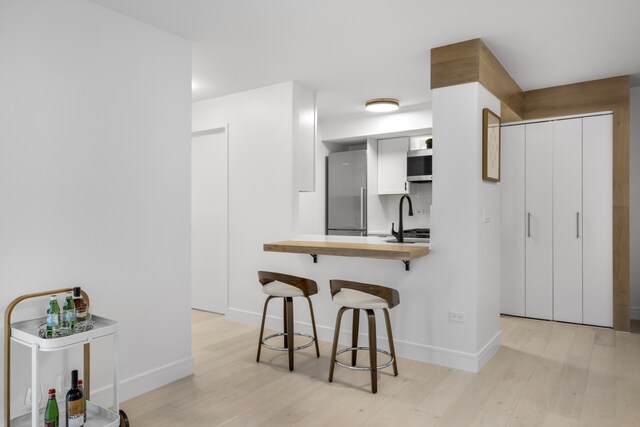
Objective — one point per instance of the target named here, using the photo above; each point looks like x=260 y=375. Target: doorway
x=209 y=220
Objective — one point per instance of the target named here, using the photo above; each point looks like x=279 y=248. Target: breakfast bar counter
x=363 y=247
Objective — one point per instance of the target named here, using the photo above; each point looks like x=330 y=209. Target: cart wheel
x=124 y=420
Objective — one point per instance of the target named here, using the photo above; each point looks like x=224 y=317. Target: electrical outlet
x=456 y=316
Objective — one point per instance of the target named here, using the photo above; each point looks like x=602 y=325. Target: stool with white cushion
x=363 y=296
x=278 y=285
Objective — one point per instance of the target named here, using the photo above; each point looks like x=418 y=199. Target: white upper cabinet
x=304 y=137
x=392 y=166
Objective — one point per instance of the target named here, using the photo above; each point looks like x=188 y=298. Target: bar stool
x=363 y=296
x=278 y=285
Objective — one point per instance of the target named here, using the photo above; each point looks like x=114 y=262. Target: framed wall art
x=490 y=146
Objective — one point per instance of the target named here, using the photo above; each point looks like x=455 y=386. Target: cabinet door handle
x=528 y=224
x=405 y=186
x=578 y=225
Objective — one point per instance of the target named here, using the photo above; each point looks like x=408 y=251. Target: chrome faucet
x=399 y=235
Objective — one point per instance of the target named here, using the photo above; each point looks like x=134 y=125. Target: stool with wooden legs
x=278 y=285
x=363 y=296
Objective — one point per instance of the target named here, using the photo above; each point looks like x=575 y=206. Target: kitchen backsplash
x=421 y=195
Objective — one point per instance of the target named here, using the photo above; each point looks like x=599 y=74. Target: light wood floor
x=546 y=374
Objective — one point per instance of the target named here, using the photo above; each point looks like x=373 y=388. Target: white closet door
x=539 y=221
x=597 y=222
x=567 y=220
x=513 y=220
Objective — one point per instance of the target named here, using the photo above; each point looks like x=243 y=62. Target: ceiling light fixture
x=382 y=105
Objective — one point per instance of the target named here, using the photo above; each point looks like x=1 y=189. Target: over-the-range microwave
x=419 y=165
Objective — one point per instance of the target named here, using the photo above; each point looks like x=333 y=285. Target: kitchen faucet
x=399 y=235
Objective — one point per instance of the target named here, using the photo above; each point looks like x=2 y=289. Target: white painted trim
x=144 y=382
x=489 y=350
x=465 y=361
x=635 y=313
x=556 y=118
x=209 y=131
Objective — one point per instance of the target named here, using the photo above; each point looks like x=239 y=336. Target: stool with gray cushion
x=278 y=285
x=363 y=296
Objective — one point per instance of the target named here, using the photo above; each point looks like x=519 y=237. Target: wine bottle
x=75 y=403
x=53 y=317
x=82 y=312
x=69 y=314
x=51 y=414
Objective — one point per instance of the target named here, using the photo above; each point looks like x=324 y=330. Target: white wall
x=468 y=249
x=94 y=181
x=635 y=202
x=261 y=194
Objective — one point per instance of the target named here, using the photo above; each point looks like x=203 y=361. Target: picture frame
x=490 y=146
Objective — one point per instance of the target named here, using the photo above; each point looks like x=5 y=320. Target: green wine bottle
x=51 y=414
x=53 y=317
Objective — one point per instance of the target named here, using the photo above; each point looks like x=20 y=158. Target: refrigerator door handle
x=362 y=207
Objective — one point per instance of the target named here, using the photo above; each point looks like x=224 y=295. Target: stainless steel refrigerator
x=347 y=193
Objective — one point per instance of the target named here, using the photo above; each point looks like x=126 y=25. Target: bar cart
x=26 y=333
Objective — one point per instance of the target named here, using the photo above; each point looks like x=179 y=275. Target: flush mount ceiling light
x=382 y=105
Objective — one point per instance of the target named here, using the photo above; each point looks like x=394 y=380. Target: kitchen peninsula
x=364 y=247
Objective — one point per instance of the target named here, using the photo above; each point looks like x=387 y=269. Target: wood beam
x=472 y=61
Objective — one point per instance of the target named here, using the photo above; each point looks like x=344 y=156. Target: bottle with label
x=51 y=414
x=75 y=403
x=84 y=397
x=68 y=315
x=82 y=311
x=53 y=318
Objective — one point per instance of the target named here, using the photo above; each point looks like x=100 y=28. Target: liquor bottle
x=69 y=314
x=51 y=414
x=75 y=403
x=53 y=317
x=82 y=311
x=84 y=397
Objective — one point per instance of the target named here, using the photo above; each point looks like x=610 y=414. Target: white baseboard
x=465 y=361
x=144 y=382
x=635 y=313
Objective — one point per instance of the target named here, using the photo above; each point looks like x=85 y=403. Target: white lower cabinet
x=556 y=190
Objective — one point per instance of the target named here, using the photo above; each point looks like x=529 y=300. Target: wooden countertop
x=362 y=250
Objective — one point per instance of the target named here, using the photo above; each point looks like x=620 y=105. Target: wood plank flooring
x=546 y=374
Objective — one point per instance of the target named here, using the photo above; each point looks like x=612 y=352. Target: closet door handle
x=528 y=224
x=577 y=225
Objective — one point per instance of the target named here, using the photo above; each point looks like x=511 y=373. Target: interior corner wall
x=94 y=183
x=261 y=195
x=634 y=213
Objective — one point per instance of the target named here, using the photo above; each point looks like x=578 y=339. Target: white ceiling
x=352 y=50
